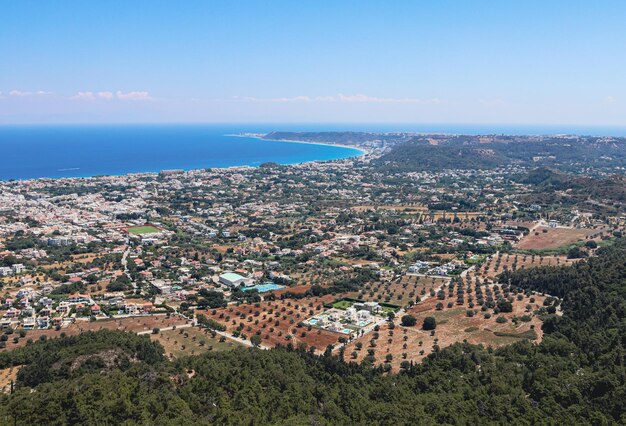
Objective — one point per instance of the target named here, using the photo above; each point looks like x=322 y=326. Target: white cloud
x=89 y=95
x=359 y=97
x=85 y=96
x=133 y=96
x=22 y=94
x=106 y=95
x=244 y=99
x=340 y=98
x=293 y=99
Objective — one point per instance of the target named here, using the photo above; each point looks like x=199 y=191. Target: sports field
x=141 y=230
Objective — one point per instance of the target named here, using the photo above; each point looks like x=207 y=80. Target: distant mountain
x=406 y=151
x=436 y=152
x=417 y=156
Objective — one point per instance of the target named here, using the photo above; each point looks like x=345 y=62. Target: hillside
x=552 y=186
x=576 y=375
x=429 y=152
x=417 y=156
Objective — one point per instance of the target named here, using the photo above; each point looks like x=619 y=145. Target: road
x=166 y=329
x=124 y=263
x=194 y=322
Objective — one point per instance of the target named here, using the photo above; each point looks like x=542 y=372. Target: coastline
x=360 y=152
x=363 y=151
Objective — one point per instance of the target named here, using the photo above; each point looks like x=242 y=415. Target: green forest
x=466 y=152
x=576 y=375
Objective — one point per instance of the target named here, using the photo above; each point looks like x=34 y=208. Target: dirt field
x=276 y=322
x=551 y=238
x=453 y=325
x=7 y=376
x=76 y=258
x=132 y=324
x=192 y=341
x=302 y=288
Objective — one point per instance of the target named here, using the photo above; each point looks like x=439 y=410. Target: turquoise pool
x=262 y=288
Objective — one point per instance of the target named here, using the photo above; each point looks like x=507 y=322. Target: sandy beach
x=364 y=151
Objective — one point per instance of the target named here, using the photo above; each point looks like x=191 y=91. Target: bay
x=89 y=150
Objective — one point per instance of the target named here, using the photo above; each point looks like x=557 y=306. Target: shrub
x=255 y=340
x=429 y=323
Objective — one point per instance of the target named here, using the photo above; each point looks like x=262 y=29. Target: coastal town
x=327 y=213
x=328 y=256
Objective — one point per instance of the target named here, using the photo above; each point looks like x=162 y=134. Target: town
x=382 y=267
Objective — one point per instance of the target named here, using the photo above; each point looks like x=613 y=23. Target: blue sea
x=91 y=150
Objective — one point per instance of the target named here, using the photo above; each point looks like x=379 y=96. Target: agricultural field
x=276 y=322
x=442 y=215
x=544 y=238
x=192 y=341
x=408 y=208
x=495 y=265
x=400 y=292
x=75 y=259
x=140 y=324
x=472 y=224
x=142 y=230
x=418 y=212
x=458 y=319
x=301 y=288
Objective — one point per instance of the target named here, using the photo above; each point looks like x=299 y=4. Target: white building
x=234 y=280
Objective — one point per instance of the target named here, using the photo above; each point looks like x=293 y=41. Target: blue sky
x=507 y=62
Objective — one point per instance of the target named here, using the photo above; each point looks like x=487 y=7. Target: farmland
x=400 y=292
x=459 y=318
x=545 y=238
x=192 y=341
x=143 y=324
x=276 y=322
x=495 y=265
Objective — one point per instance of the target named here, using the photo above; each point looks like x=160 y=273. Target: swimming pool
x=262 y=288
